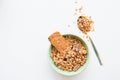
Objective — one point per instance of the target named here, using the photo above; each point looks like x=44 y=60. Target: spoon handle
x=96 y=52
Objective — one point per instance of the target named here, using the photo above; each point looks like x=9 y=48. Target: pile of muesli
x=73 y=57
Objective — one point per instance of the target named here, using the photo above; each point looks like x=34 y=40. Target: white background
x=26 y=24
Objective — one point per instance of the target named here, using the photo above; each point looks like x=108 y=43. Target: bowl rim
x=66 y=73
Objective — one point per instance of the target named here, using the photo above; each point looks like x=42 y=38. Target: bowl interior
x=73 y=72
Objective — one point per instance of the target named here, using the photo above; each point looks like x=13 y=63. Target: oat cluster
x=73 y=58
x=85 y=24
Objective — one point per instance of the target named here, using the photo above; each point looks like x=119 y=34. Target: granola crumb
x=75 y=14
x=69 y=26
x=75 y=1
x=80 y=9
x=76 y=10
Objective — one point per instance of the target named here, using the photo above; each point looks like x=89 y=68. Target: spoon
x=96 y=52
x=84 y=25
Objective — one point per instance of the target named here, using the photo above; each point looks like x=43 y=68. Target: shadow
x=56 y=75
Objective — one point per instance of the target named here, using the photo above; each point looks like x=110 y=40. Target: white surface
x=26 y=24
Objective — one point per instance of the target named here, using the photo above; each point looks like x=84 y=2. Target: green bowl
x=66 y=73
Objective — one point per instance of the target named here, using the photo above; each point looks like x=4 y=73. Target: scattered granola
x=69 y=25
x=75 y=14
x=80 y=9
x=76 y=2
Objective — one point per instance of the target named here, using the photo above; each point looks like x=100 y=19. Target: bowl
x=66 y=73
